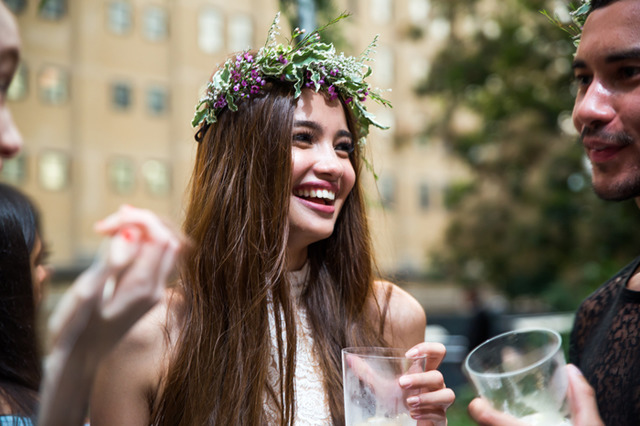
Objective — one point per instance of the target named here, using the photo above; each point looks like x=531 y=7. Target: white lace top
x=311 y=403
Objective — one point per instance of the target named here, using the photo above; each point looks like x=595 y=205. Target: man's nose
x=595 y=108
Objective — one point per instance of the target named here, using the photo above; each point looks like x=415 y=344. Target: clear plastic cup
x=523 y=373
x=372 y=394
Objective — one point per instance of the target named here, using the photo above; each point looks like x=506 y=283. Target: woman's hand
x=429 y=406
x=584 y=408
x=127 y=279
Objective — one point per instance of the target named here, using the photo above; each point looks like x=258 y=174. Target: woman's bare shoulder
x=405 y=319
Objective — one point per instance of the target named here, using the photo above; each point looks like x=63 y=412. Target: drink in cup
x=372 y=394
x=523 y=373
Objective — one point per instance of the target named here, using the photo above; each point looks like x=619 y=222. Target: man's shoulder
x=613 y=285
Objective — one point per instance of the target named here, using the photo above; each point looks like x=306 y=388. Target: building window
x=156 y=177
x=156 y=23
x=157 y=100
x=121 y=175
x=53 y=170
x=240 y=33
x=19 y=86
x=381 y=11
x=14 y=170
x=53 y=85
x=419 y=10
x=53 y=9
x=424 y=196
x=385 y=66
x=120 y=18
x=387 y=191
x=210 y=25
x=121 y=95
x=16 y=6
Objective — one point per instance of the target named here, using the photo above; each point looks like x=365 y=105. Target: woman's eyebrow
x=345 y=133
x=307 y=123
x=316 y=127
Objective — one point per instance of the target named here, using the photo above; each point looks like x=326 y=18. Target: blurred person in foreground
x=122 y=285
x=605 y=341
x=22 y=276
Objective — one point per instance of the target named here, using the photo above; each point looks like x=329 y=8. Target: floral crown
x=307 y=63
x=578 y=17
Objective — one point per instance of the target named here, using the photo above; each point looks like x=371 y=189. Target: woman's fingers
x=435 y=353
x=152 y=226
x=428 y=381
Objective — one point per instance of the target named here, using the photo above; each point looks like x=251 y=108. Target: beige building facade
x=106 y=92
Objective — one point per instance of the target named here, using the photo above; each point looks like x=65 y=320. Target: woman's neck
x=296 y=258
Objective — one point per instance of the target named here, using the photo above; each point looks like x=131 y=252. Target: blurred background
x=482 y=207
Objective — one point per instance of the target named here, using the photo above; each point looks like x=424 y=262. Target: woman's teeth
x=316 y=193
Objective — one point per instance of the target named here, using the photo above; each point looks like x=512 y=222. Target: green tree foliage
x=528 y=223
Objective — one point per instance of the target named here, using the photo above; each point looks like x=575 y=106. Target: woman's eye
x=303 y=137
x=347 y=147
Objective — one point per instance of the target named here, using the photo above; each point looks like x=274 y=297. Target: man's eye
x=628 y=72
x=582 y=79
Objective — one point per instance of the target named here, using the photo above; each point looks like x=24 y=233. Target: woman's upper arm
x=128 y=376
x=405 y=319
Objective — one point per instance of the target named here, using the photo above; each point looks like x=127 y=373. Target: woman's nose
x=10 y=138
x=328 y=163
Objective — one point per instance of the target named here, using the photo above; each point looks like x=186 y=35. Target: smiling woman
x=281 y=275
x=322 y=173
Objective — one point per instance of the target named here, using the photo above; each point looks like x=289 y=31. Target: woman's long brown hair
x=238 y=220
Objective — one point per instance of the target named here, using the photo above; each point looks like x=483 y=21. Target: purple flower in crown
x=334 y=72
x=236 y=87
x=332 y=92
x=248 y=57
x=255 y=89
x=220 y=103
x=282 y=60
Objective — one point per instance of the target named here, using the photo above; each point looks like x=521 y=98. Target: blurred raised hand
x=125 y=281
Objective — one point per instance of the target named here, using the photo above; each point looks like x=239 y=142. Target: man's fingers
x=582 y=398
x=484 y=414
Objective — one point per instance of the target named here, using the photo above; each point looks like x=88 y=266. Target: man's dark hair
x=597 y=4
